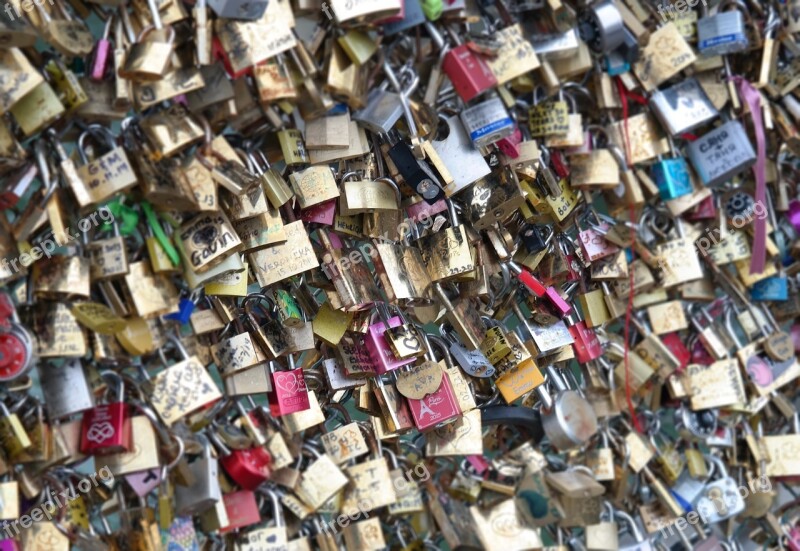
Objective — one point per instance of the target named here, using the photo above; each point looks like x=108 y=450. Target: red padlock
x=587 y=345
x=248 y=468
x=106 y=428
x=468 y=71
x=242 y=510
x=439 y=407
x=289 y=393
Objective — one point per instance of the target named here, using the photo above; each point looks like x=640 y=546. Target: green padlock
x=433 y=9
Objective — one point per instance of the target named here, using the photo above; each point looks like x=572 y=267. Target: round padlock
x=15 y=355
x=739 y=207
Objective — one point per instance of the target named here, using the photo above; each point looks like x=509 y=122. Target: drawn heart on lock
x=205 y=235
x=289 y=382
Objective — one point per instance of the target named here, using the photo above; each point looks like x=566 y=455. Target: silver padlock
x=249 y=10
x=722 y=153
x=724 y=32
x=640 y=543
x=568 y=420
x=720 y=499
x=683 y=107
x=65 y=388
x=455 y=148
x=383 y=110
x=556 y=45
x=205 y=492
x=487 y=122
x=601 y=27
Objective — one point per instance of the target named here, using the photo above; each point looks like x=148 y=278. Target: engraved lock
x=272 y=537
x=207 y=240
x=440 y=406
x=107 y=174
x=683 y=107
x=472 y=362
x=720 y=499
x=106 y=428
x=14 y=439
x=149 y=57
x=724 y=32
x=321 y=479
x=289 y=393
x=457 y=150
x=109 y=257
x=447 y=253
x=722 y=153
x=377 y=342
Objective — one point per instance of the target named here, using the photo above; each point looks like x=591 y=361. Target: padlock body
x=289 y=393
x=469 y=73
x=248 y=468
x=204 y=493
x=379 y=349
x=106 y=429
x=435 y=409
x=721 y=34
x=487 y=122
x=672 y=178
x=587 y=345
x=722 y=153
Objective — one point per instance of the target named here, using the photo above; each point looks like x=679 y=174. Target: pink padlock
x=9 y=545
x=102 y=50
x=379 y=349
x=289 y=393
x=557 y=301
x=422 y=210
x=793 y=539
x=510 y=144
x=594 y=244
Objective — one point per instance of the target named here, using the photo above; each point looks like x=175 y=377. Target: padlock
x=683 y=107
x=149 y=57
x=722 y=153
x=720 y=498
x=723 y=33
x=106 y=428
x=289 y=393
x=248 y=467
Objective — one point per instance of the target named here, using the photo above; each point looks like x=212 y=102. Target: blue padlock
x=771 y=288
x=672 y=178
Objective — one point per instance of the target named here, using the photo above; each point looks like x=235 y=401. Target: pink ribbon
x=753 y=99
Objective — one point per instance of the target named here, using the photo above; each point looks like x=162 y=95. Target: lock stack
x=399 y=274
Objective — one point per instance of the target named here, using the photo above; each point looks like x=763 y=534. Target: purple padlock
x=144 y=482
x=9 y=545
